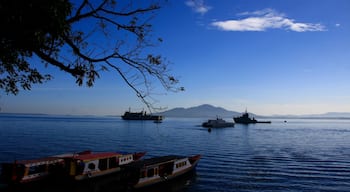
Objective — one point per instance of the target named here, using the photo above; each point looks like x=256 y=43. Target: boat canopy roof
x=155 y=161
x=94 y=156
x=41 y=161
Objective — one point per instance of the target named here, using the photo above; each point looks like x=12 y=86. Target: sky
x=267 y=56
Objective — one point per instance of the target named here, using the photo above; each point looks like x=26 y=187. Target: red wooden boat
x=79 y=166
x=25 y=171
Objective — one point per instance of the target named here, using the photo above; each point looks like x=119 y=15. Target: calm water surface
x=300 y=155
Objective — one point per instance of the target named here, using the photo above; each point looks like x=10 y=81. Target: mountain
x=335 y=115
x=329 y=115
x=207 y=111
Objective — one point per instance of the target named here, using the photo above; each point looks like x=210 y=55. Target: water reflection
x=111 y=183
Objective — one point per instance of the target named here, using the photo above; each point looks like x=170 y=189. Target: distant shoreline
x=257 y=116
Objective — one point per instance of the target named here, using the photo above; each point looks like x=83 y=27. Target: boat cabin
x=86 y=166
x=158 y=169
x=31 y=170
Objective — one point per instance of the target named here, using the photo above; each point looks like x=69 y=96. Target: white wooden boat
x=159 y=169
x=90 y=165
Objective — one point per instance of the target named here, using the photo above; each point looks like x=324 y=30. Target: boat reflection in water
x=110 y=183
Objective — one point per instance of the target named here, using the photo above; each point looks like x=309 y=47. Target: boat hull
x=239 y=121
x=158 y=180
x=245 y=119
x=141 y=116
x=218 y=125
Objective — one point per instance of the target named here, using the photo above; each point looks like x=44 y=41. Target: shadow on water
x=111 y=183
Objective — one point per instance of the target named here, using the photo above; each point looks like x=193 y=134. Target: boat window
x=80 y=167
x=102 y=165
x=142 y=174
x=166 y=169
x=150 y=172
x=55 y=167
x=113 y=162
x=181 y=164
x=92 y=166
x=37 y=169
x=7 y=170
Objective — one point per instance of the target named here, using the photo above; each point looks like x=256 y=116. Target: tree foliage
x=82 y=38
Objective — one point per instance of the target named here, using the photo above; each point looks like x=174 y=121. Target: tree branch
x=138 y=93
x=75 y=71
x=151 y=8
x=77 y=51
x=78 y=16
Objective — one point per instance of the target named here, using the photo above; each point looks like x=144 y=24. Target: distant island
x=210 y=111
x=207 y=111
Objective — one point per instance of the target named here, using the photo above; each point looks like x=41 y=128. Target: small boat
x=26 y=171
x=128 y=115
x=159 y=169
x=90 y=165
x=216 y=123
x=159 y=120
x=245 y=119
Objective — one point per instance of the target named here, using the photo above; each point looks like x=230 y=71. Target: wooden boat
x=216 y=123
x=159 y=169
x=79 y=166
x=90 y=165
x=25 y=171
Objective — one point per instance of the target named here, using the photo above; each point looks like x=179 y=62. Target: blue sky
x=267 y=56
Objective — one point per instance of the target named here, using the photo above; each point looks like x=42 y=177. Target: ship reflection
x=105 y=184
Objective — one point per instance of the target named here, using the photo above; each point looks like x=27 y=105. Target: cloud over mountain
x=263 y=20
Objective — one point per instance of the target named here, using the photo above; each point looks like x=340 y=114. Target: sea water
x=296 y=155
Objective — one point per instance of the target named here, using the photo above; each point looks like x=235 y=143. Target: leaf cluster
x=28 y=26
x=82 y=38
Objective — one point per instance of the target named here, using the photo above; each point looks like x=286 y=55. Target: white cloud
x=337 y=25
x=198 y=6
x=266 y=19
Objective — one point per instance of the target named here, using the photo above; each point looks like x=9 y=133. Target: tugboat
x=155 y=170
x=128 y=115
x=245 y=119
x=217 y=123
